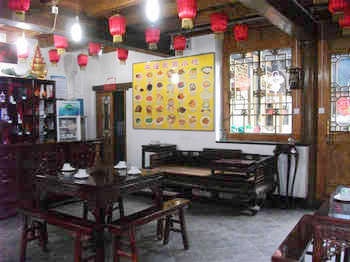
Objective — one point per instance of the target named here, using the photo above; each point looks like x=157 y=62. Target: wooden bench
x=126 y=225
x=243 y=180
x=79 y=228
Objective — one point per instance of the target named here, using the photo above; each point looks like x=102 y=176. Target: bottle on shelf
x=4 y=115
x=37 y=92
x=42 y=92
x=27 y=128
x=19 y=125
x=2 y=97
x=11 y=97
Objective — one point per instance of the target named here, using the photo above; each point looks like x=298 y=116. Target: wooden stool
x=119 y=206
x=79 y=228
x=126 y=226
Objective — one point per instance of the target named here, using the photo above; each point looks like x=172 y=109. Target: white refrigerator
x=68 y=120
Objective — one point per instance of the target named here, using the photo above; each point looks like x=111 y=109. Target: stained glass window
x=340 y=93
x=260 y=101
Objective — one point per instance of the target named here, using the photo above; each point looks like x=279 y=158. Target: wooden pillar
x=309 y=102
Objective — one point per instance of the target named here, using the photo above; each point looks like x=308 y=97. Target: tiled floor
x=216 y=234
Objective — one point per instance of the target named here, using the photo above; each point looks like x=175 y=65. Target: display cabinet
x=27 y=110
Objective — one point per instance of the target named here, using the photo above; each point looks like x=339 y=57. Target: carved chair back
x=83 y=155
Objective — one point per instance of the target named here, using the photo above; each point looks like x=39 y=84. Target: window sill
x=227 y=141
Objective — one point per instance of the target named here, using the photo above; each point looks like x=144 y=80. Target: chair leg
x=167 y=229
x=77 y=248
x=24 y=239
x=41 y=234
x=183 y=229
x=85 y=210
x=133 y=248
x=160 y=228
x=121 y=207
x=110 y=214
x=116 y=245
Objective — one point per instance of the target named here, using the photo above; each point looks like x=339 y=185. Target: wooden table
x=100 y=190
x=294 y=246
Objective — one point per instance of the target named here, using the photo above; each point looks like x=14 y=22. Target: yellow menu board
x=174 y=93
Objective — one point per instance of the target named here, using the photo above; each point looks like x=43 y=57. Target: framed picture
x=175 y=94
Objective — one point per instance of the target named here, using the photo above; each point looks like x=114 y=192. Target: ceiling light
x=22 y=45
x=76 y=31
x=152 y=10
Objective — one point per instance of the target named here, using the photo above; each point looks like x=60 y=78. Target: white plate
x=341 y=198
x=134 y=171
x=68 y=170
x=120 y=166
x=81 y=175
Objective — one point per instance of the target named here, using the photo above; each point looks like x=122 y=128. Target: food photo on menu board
x=174 y=93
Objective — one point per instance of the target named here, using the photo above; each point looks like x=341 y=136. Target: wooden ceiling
x=289 y=15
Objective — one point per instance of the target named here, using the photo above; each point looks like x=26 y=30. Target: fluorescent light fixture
x=22 y=45
x=76 y=31
x=152 y=10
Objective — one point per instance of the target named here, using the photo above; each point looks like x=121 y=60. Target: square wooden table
x=101 y=189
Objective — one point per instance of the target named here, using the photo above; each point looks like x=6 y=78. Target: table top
x=102 y=177
x=159 y=146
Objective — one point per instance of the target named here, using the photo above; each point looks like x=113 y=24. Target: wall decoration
x=174 y=94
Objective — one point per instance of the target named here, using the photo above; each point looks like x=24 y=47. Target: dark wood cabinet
x=27 y=110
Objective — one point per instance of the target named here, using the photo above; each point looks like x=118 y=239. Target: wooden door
x=333 y=149
x=105 y=124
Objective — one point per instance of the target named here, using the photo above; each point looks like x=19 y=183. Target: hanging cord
x=54 y=9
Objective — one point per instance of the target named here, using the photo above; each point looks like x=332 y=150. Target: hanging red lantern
x=94 y=49
x=218 y=23
x=19 y=7
x=23 y=56
x=187 y=11
x=337 y=6
x=60 y=43
x=117 y=25
x=83 y=61
x=241 y=32
x=344 y=22
x=179 y=44
x=122 y=55
x=54 y=56
x=152 y=36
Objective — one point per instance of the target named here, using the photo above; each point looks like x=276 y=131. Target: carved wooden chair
x=331 y=239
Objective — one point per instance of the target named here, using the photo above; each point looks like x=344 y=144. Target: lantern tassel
x=152 y=46
x=187 y=23
x=61 y=51
x=179 y=52
x=82 y=68
x=122 y=62
x=117 y=38
x=219 y=36
x=20 y=15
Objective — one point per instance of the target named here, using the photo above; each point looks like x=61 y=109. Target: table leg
x=143 y=158
x=100 y=214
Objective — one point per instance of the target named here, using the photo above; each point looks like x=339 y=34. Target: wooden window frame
x=260 y=39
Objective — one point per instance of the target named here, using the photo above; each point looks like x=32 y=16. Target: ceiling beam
x=287 y=15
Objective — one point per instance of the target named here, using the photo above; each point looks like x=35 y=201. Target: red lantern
x=117 y=24
x=218 y=22
x=94 y=49
x=19 y=7
x=152 y=35
x=179 y=44
x=23 y=56
x=60 y=43
x=240 y=32
x=337 y=6
x=344 y=22
x=83 y=61
x=187 y=11
x=122 y=55
x=54 y=57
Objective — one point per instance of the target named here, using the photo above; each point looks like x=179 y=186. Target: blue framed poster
x=68 y=108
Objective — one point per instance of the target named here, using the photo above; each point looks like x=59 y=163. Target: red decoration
x=337 y=6
x=343 y=106
x=241 y=32
x=60 y=43
x=19 y=6
x=117 y=25
x=54 y=56
x=179 y=44
x=83 y=61
x=94 y=49
x=344 y=22
x=187 y=11
x=152 y=36
x=23 y=56
x=122 y=55
x=218 y=22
